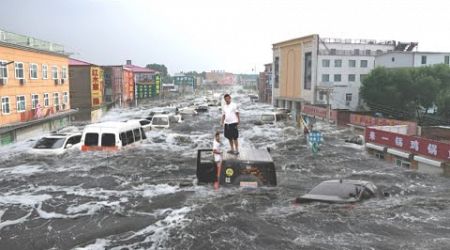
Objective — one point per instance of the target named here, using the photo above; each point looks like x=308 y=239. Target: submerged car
x=250 y=168
x=145 y=123
x=358 y=140
x=341 y=191
x=201 y=108
x=57 y=144
x=271 y=118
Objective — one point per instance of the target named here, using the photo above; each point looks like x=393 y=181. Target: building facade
x=184 y=84
x=265 y=84
x=34 y=87
x=324 y=71
x=402 y=59
x=119 y=85
x=87 y=90
x=146 y=81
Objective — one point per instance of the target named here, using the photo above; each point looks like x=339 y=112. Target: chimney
x=128 y=62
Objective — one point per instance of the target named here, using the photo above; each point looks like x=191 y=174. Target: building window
x=337 y=77
x=33 y=71
x=379 y=52
x=363 y=64
x=19 y=70
x=332 y=51
x=424 y=59
x=54 y=72
x=348 y=97
x=325 y=63
x=447 y=59
x=368 y=52
x=308 y=70
x=338 y=63
x=56 y=101
x=65 y=99
x=356 y=52
x=325 y=78
x=393 y=59
x=400 y=162
x=351 y=77
x=20 y=100
x=44 y=71
x=5 y=105
x=352 y=63
x=321 y=95
x=46 y=101
x=64 y=73
x=34 y=101
x=3 y=70
x=362 y=77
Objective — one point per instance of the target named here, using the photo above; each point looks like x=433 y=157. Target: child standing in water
x=217 y=151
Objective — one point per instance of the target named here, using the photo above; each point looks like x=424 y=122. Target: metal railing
x=357 y=41
x=30 y=42
x=350 y=52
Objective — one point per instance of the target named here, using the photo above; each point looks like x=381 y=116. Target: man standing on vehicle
x=230 y=121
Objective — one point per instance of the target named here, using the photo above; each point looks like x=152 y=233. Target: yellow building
x=293 y=71
x=34 y=87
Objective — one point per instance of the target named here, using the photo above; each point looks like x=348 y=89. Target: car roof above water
x=249 y=155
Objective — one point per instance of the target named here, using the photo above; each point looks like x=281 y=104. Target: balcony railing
x=30 y=42
x=357 y=41
x=350 y=52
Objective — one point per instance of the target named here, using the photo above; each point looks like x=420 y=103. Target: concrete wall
x=394 y=60
x=431 y=58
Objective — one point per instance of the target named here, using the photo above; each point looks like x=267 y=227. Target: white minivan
x=111 y=136
x=163 y=121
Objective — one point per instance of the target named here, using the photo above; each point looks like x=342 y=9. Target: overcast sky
x=231 y=35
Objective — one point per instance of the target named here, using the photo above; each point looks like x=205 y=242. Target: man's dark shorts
x=231 y=131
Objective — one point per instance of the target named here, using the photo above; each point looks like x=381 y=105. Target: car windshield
x=267 y=118
x=49 y=143
x=160 y=121
x=343 y=190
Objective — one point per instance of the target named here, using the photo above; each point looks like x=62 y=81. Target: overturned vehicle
x=251 y=168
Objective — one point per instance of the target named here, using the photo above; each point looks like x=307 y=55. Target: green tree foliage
x=401 y=91
x=158 y=67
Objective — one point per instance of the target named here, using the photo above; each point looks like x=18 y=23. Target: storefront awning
x=375 y=146
x=427 y=161
x=398 y=153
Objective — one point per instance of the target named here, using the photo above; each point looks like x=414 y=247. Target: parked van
x=272 y=118
x=111 y=136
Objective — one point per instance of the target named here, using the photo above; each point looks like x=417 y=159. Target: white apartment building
x=342 y=64
x=400 y=59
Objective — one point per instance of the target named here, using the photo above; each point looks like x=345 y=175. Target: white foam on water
x=26 y=199
x=13 y=222
x=100 y=244
x=24 y=169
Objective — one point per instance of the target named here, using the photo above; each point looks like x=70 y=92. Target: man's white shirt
x=230 y=111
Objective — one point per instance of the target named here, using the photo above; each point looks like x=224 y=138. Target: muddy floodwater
x=146 y=197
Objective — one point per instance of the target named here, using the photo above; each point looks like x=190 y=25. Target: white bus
x=111 y=136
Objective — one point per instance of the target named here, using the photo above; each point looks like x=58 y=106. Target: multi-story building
x=265 y=84
x=221 y=77
x=147 y=81
x=184 y=83
x=325 y=71
x=119 y=85
x=401 y=59
x=87 y=89
x=34 y=87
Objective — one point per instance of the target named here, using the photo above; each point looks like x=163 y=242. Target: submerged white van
x=111 y=136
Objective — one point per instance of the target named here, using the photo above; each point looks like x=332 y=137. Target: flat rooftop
x=249 y=155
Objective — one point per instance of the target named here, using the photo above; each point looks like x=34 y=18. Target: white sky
x=231 y=35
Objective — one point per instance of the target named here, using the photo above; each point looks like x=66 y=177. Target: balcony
x=350 y=52
x=356 y=41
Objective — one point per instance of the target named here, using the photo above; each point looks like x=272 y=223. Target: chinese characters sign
x=412 y=144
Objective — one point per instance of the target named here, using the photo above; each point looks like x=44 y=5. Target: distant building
x=184 y=84
x=401 y=59
x=147 y=81
x=221 y=77
x=34 y=87
x=265 y=84
x=324 y=71
x=119 y=85
x=87 y=88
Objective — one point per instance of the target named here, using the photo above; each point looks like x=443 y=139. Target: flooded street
x=146 y=197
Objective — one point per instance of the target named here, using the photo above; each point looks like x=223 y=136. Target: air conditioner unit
x=56 y=81
x=62 y=80
x=3 y=81
x=22 y=81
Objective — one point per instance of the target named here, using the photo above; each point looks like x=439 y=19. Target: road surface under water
x=133 y=199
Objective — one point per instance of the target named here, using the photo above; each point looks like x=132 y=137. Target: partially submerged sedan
x=341 y=191
x=56 y=144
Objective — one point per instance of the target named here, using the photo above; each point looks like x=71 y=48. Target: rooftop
x=31 y=42
x=76 y=62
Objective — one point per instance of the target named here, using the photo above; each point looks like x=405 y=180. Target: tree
x=443 y=103
x=402 y=92
x=158 y=67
